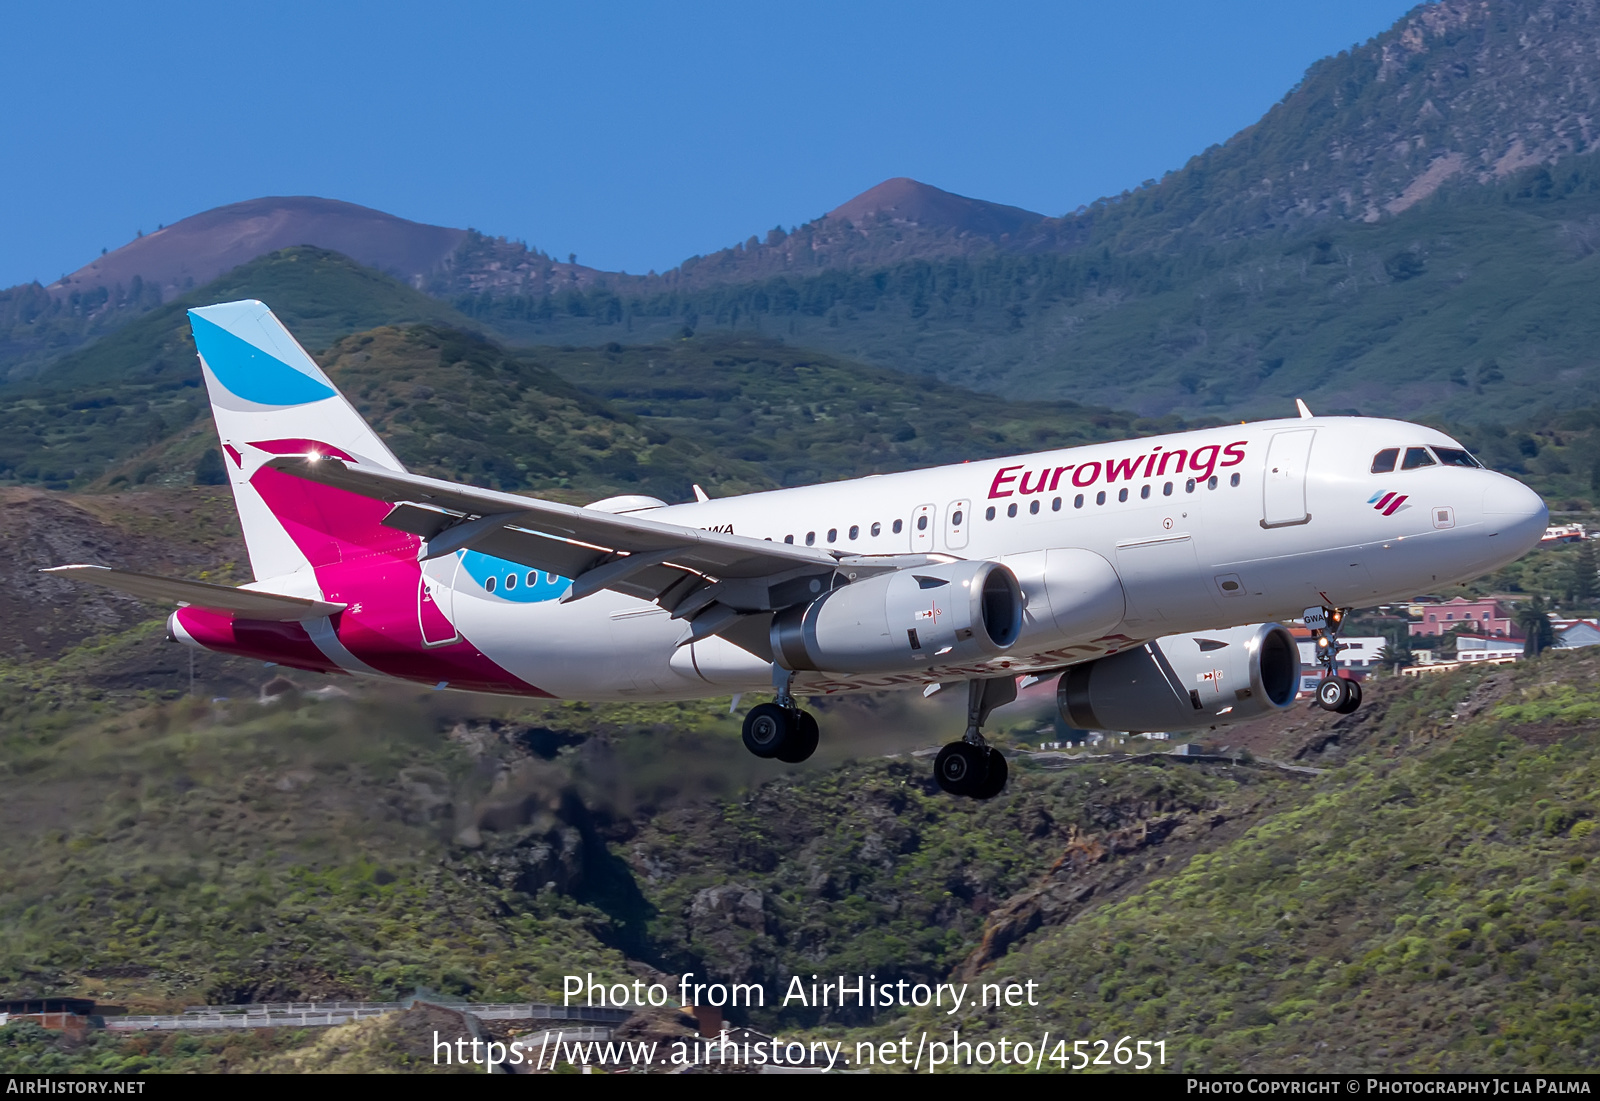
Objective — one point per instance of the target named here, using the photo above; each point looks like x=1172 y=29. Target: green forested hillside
x=95 y=408
x=1429 y=906
x=732 y=413
x=1473 y=306
x=1425 y=902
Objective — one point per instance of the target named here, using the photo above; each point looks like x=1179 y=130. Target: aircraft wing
x=710 y=577
x=201 y=594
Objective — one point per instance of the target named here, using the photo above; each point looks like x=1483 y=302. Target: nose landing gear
x=1335 y=693
x=973 y=767
x=780 y=729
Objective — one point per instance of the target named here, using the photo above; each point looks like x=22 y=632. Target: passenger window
x=1383 y=461
x=1234 y=481
x=1188 y=487
x=1122 y=494
x=1100 y=498
x=955 y=520
x=855 y=532
x=1077 y=502
x=1144 y=493
x=833 y=535
x=511 y=581
x=877 y=530
x=1055 y=506
x=1011 y=509
x=1211 y=482
x=811 y=538
x=488 y=585
x=1415 y=457
x=533 y=578
x=988 y=513
x=899 y=526
x=922 y=523
x=1454 y=456
x=788 y=539
x=1166 y=490
x=1033 y=507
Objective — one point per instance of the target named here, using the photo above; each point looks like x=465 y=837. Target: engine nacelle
x=1185 y=682
x=944 y=614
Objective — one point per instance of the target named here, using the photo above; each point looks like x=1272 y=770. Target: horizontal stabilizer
x=201 y=594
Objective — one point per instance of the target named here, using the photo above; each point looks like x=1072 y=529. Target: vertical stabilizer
x=269 y=397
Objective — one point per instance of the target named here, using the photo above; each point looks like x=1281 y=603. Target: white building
x=1472 y=648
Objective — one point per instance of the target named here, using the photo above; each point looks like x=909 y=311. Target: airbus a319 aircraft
x=1146 y=575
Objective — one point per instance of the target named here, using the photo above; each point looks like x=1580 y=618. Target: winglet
x=1305 y=413
x=700 y=495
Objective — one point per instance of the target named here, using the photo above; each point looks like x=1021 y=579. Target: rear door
x=436 y=592
x=1283 y=494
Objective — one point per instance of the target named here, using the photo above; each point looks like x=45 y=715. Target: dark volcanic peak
x=202 y=247
x=900 y=219
x=905 y=202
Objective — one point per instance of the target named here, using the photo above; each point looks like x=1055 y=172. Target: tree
x=1581 y=575
x=209 y=471
x=1534 y=620
x=1397 y=651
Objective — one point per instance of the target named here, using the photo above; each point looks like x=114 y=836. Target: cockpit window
x=1455 y=456
x=1415 y=457
x=1383 y=461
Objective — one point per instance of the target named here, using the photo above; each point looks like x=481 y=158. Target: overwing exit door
x=922 y=528
x=958 y=518
x=1283 y=494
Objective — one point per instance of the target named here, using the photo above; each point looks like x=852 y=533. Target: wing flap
x=200 y=594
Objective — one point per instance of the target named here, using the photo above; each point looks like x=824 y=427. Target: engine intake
x=1185 y=682
x=942 y=614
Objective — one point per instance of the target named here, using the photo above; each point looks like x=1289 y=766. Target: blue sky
x=634 y=134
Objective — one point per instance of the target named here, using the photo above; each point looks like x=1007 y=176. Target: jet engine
x=1184 y=682
x=942 y=614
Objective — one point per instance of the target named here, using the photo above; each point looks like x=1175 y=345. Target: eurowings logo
x=1388 y=503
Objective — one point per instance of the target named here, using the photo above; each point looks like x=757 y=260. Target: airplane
x=1146 y=575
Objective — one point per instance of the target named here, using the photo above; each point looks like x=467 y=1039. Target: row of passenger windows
x=1100 y=498
x=1416 y=457
x=957 y=519
x=855 y=531
x=510 y=583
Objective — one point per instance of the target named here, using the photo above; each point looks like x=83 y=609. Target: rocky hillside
x=1416 y=900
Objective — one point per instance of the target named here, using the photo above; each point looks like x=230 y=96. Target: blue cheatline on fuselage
x=512 y=580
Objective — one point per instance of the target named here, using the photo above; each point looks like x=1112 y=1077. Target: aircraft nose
x=1514 y=511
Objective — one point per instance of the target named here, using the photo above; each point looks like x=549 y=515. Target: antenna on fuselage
x=1305 y=413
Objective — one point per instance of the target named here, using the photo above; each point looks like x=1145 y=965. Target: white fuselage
x=1281 y=515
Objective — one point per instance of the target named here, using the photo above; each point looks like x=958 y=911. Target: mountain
x=1473 y=306
x=1457 y=92
x=181 y=256
x=1411 y=230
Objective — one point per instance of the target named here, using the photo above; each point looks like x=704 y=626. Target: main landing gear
x=1334 y=693
x=973 y=767
x=780 y=729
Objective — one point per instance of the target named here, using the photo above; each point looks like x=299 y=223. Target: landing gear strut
x=1334 y=693
x=780 y=729
x=971 y=766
